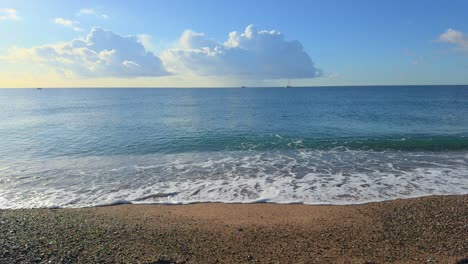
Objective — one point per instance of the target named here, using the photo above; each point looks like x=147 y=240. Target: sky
x=216 y=43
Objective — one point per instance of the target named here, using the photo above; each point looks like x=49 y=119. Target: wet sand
x=422 y=230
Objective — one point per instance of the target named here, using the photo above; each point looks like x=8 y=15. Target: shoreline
x=262 y=201
x=432 y=229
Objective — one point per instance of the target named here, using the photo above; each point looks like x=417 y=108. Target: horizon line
x=229 y=87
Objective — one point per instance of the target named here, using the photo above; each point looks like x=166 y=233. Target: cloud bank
x=8 y=14
x=101 y=54
x=456 y=38
x=252 y=54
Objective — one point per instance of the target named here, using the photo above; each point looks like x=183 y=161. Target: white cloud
x=146 y=40
x=91 y=11
x=193 y=40
x=8 y=14
x=68 y=23
x=101 y=54
x=455 y=37
x=87 y=11
x=252 y=54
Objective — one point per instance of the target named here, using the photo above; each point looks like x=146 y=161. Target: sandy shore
x=422 y=230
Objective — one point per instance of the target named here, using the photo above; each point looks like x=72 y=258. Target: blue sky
x=347 y=43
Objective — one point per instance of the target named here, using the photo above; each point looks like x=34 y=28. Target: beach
x=430 y=229
x=267 y=175
x=164 y=132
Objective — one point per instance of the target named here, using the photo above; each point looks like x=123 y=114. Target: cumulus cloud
x=251 y=54
x=101 y=54
x=68 y=23
x=146 y=40
x=91 y=11
x=8 y=14
x=455 y=37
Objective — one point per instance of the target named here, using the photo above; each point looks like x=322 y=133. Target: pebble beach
x=421 y=230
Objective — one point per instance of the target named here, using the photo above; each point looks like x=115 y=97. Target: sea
x=64 y=148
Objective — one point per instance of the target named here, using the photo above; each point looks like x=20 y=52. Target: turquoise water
x=338 y=145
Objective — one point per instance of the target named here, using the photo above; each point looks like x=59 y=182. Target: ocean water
x=323 y=145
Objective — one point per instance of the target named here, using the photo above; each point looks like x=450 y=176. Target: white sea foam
x=310 y=177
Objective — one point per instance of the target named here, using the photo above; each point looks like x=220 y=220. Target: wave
x=52 y=147
x=293 y=176
x=285 y=142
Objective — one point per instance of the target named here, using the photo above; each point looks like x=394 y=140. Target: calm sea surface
x=330 y=145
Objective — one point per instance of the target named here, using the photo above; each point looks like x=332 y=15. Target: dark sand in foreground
x=422 y=230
